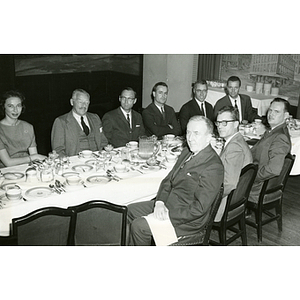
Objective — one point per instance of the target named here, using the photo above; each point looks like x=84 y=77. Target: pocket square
x=189 y=174
x=137 y=125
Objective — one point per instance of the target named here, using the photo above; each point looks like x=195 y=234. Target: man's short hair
x=232 y=110
x=285 y=102
x=201 y=81
x=155 y=87
x=80 y=91
x=234 y=78
x=208 y=122
x=128 y=88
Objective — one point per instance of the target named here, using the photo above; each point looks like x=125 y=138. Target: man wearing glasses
x=196 y=106
x=78 y=129
x=235 y=154
x=123 y=124
x=159 y=118
x=241 y=102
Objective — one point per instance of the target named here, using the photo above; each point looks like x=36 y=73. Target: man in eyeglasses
x=235 y=154
x=241 y=102
x=159 y=118
x=123 y=124
x=78 y=129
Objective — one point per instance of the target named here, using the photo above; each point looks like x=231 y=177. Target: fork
x=133 y=169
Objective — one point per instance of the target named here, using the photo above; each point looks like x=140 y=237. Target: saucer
x=125 y=171
x=13 y=175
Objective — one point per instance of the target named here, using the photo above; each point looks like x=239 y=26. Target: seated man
x=196 y=106
x=159 y=118
x=235 y=155
x=123 y=124
x=269 y=152
x=239 y=101
x=186 y=194
x=78 y=129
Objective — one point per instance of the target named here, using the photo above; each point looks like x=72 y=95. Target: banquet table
x=132 y=186
x=259 y=101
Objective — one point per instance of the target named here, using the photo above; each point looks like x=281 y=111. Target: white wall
x=174 y=69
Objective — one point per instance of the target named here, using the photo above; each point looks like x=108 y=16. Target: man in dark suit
x=123 y=124
x=239 y=101
x=186 y=194
x=158 y=117
x=269 y=152
x=196 y=106
x=78 y=129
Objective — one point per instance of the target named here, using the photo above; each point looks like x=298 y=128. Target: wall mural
x=280 y=71
x=68 y=63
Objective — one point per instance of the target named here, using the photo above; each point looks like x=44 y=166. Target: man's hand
x=160 y=211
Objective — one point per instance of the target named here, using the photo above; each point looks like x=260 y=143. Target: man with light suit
x=235 y=154
x=78 y=129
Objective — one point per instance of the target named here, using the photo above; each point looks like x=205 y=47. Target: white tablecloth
x=259 y=101
x=295 y=139
x=133 y=187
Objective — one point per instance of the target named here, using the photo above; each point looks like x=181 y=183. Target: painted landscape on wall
x=281 y=70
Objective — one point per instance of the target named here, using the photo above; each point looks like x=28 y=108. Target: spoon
x=51 y=186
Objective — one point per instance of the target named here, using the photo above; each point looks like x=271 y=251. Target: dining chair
x=270 y=197
x=48 y=226
x=234 y=213
x=101 y=223
x=8 y=240
x=202 y=237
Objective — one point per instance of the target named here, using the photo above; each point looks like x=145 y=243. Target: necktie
x=128 y=119
x=202 y=108
x=85 y=127
x=236 y=107
x=163 y=113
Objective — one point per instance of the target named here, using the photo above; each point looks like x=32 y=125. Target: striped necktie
x=128 y=119
x=85 y=127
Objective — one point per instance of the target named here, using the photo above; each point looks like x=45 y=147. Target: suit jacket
x=235 y=156
x=155 y=124
x=190 y=188
x=117 y=129
x=64 y=135
x=246 y=105
x=191 y=109
x=269 y=153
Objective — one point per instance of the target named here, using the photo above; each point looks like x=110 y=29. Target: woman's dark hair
x=10 y=94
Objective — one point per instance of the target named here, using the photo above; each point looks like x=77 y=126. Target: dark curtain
x=209 y=66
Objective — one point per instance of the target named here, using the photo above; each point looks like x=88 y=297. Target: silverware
x=53 y=188
x=134 y=169
x=59 y=185
x=82 y=182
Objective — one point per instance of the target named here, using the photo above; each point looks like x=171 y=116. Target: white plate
x=4 y=185
x=39 y=192
x=98 y=179
x=82 y=168
x=4 y=202
x=13 y=175
x=91 y=162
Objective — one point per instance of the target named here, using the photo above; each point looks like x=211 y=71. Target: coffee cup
x=120 y=168
x=170 y=137
x=86 y=153
x=13 y=192
x=132 y=144
x=73 y=180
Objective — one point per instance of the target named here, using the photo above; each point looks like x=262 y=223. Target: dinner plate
x=39 y=192
x=98 y=179
x=82 y=168
x=13 y=175
x=91 y=162
x=4 y=202
x=67 y=174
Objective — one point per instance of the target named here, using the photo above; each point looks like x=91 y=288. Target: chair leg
x=258 y=217
x=278 y=210
x=222 y=236
x=242 y=225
